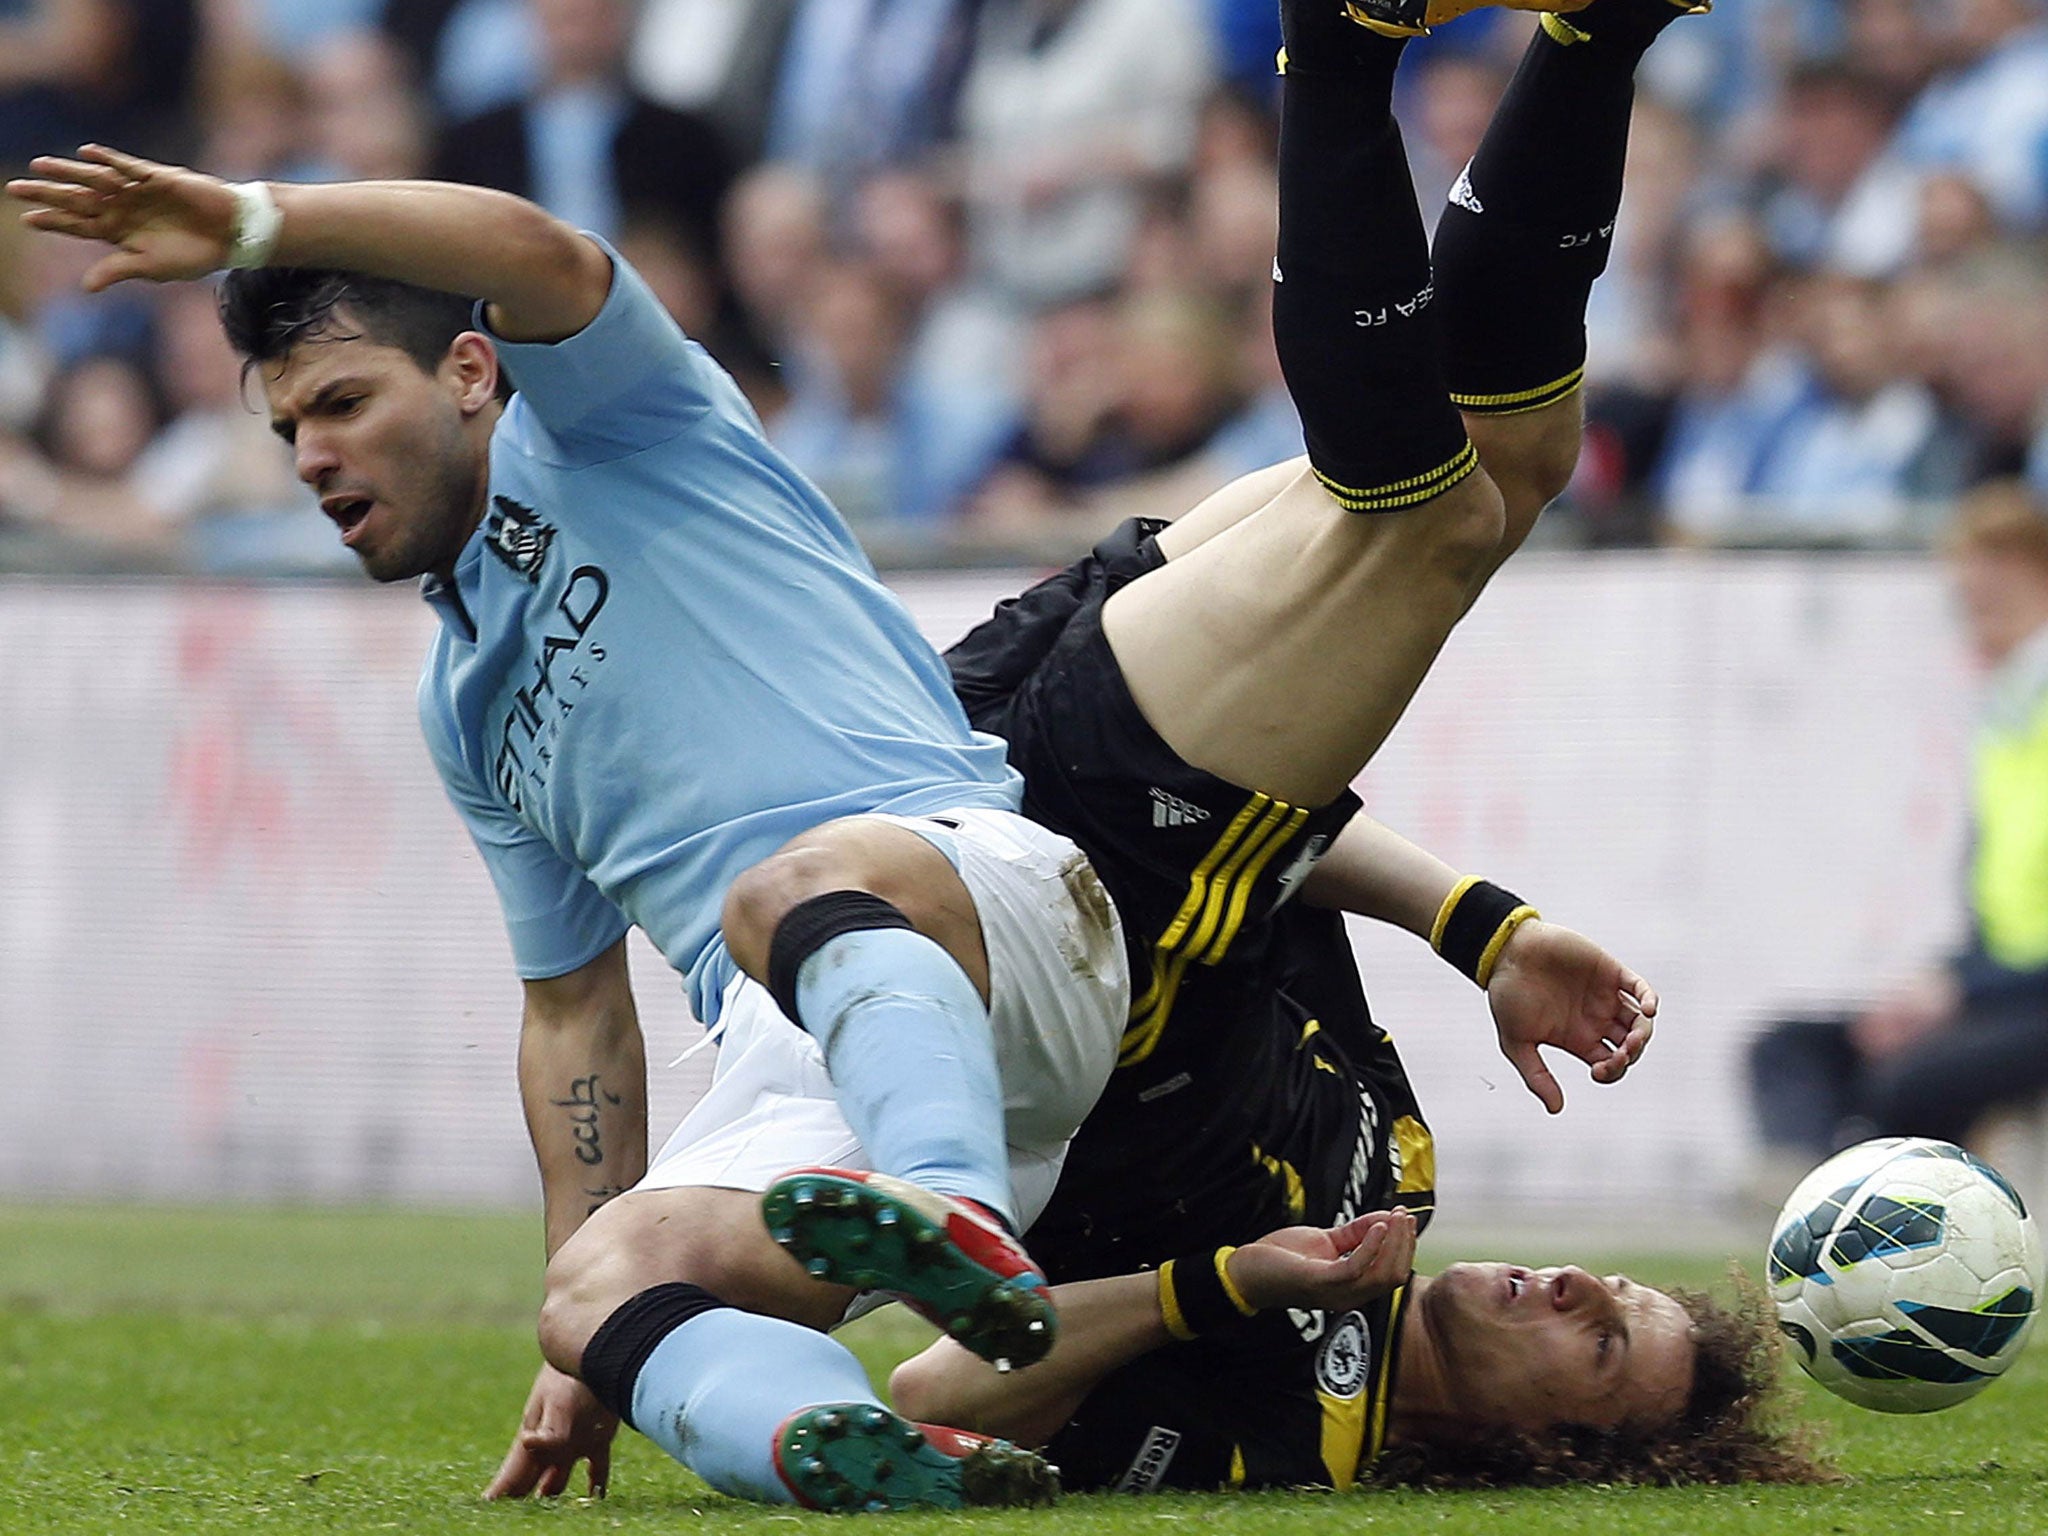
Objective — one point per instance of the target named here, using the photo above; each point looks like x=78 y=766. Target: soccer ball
x=1906 y=1274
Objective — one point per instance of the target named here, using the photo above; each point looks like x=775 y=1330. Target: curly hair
x=1729 y=1431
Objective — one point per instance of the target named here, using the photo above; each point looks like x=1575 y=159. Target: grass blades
x=246 y=1370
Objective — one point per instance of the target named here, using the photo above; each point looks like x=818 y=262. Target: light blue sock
x=907 y=1042
x=713 y=1393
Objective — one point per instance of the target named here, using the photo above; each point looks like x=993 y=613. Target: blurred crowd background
x=995 y=271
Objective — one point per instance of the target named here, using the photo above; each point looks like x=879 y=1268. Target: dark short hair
x=267 y=311
x=1728 y=1431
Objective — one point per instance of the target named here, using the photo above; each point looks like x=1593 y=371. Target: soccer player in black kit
x=1254 y=1092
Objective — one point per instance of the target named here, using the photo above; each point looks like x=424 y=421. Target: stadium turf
x=226 y=1371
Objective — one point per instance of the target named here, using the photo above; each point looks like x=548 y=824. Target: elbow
x=945 y=1385
x=575 y=263
x=940 y=1386
x=558 y=278
x=919 y=1392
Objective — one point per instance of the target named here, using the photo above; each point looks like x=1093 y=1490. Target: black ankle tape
x=620 y=1347
x=809 y=926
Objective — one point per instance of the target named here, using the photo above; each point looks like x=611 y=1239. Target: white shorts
x=1059 y=991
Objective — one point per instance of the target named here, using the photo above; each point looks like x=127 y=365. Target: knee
x=606 y=1264
x=1532 y=459
x=576 y=1303
x=758 y=901
x=1467 y=529
x=895 y=866
x=1542 y=471
x=1536 y=487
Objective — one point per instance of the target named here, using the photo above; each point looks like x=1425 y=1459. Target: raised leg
x=1279 y=652
x=1529 y=228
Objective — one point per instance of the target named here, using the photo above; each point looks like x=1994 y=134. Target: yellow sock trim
x=1403 y=493
x=1521 y=400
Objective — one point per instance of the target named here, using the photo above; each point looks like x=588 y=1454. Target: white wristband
x=257 y=222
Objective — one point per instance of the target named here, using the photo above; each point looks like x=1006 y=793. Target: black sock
x=1319 y=36
x=1354 y=318
x=620 y=1347
x=1531 y=222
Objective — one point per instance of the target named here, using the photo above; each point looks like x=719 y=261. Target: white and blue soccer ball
x=1906 y=1273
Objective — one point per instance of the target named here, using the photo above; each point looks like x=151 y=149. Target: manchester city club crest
x=517 y=536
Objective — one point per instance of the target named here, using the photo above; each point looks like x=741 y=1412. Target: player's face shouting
x=1532 y=1348
x=397 y=455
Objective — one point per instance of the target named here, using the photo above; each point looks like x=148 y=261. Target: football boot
x=950 y=1261
x=856 y=1457
x=1576 y=28
x=1414 y=18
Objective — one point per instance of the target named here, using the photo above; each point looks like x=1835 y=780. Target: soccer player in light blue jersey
x=668 y=691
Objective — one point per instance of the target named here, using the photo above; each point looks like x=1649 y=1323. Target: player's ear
x=470 y=367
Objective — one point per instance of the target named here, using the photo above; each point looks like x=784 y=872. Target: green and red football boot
x=856 y=1457
x=950 y=1261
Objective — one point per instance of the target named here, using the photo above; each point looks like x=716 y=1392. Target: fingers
x=1399 y=1259
x=1384 y=1258
x=1366 y=1252
x=1630 y=1034
x=56 y=194
x=1627 y=1033
x=1346 y=1239
x=134 y=167
x=98 y=178
x=1528 y=1061
x=59 y=221
x=600 y=1471
x=517 y=1474
x=117 y=268
x=1639 y=992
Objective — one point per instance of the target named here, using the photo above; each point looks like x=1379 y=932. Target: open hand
x=1554 y=987
x=1334 y=1268
x=167 y=222
x=564 y=1424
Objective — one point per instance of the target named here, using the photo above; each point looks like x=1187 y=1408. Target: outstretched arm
x=583 y=1077
x=1108 y=1323
x=1548 y=986
x=543 y=280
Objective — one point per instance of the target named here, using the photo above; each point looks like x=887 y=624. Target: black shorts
x=1282 y=1400
x=1285 y=1106
x=1195 y=865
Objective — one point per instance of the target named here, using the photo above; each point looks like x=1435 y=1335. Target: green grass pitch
x=225 y=1371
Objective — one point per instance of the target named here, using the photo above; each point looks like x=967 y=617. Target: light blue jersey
x=663 y=656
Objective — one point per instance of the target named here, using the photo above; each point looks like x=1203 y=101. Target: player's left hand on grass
x=1554 y=987
x=1336 y=1268
x=564 y=1424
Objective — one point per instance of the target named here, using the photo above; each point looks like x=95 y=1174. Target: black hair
x=267 y=311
